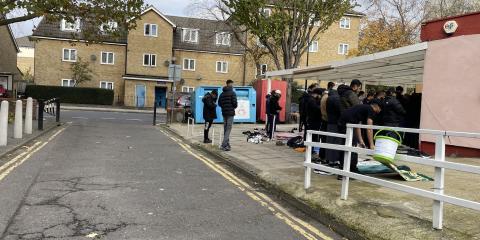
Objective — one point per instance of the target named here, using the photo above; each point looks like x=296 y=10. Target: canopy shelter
x=401 y=66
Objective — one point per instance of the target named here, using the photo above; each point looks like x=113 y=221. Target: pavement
x=371 y=212
x=104 y=176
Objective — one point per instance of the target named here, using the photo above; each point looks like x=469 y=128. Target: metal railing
x=439 y=163
x=51 y=107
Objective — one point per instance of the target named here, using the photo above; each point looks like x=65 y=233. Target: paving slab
x=371 y=212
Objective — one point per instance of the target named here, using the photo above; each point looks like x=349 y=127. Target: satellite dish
x=93 y=57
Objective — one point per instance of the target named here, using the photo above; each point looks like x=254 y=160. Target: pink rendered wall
x=451 y=88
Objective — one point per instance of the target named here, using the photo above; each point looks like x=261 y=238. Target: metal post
x=174 y=88
x=273 y=126
x=57 y=112
x=213 y=136
x=41 y=108
x=155 y=113
x=308 y=159
x=346 y=163
x=439 y=183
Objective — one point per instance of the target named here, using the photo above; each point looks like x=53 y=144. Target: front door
x=140 y=95
x=161 y=96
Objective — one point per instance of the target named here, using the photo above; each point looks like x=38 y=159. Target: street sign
x=175 y=72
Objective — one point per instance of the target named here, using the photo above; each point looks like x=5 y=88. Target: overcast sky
x=168 y=7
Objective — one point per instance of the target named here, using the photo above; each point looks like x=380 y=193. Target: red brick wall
x=467 y=25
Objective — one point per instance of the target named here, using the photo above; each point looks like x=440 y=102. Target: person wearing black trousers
x=273 y=112
x=209 y=113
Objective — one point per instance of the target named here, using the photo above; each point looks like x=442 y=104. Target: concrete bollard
x=3 y=123
x=29 y=116
x=18 y=126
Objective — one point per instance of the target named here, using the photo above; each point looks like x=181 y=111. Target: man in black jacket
x=273 y=112
x=333 y=115
x=393 y=111
x=303 y=108
x=209 y=112
x=228 y=103
x=348 y=95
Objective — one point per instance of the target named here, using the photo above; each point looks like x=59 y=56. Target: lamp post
x=174 y=88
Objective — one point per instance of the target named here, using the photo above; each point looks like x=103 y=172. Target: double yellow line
x=8 y=167
x=305 y=229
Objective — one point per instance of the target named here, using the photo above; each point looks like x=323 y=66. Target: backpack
x=295 y=142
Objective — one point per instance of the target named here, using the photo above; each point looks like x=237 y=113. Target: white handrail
x=439 y=163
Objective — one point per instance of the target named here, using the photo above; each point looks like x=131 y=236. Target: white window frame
x=313 y=47
x=190 y=60
x=112 y=26
x=188 y=89
x=261 y=69
x=343 y=48
x=70 y=50
x=267 y=12
x=345 y=22
x=70 y=81
x=223 y=38
x=189 y=31
x=223 y=67
x=65 y=26
x=150 y=55
x=106 y=62
x=150 y=29
x=106 y=85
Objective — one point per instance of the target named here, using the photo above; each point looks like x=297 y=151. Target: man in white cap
x=273 y=112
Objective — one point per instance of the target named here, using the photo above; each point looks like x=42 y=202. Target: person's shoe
x=207 y=141
x=226 y=149
x=322 y=172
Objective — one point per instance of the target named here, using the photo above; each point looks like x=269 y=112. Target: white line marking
x=79 y=118
x=134 y=119
x=109 y=118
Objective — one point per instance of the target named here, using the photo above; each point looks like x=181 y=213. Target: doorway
x=161 y=97
x=140 y=93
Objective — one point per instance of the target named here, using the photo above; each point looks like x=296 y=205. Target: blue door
x=140 y=95
x=161 y=96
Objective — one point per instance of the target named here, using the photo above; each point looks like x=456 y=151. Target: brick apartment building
x=136 y=66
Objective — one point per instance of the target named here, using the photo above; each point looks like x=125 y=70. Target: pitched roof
x=52 y=29
x=152 y=8
x=206 y=36
x=25 y=42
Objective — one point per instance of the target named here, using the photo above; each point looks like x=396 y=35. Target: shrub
x=71 y=94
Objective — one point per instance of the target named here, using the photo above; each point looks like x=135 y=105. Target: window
x=266 y=12
x=108 y=58
x=313 y=46
x=69 y=26
x=190 y=35
x=68 y=83
x=149 y=60
x=222 y=67
x=69 y=55
x=110 y=26
x=189 y=64
x=223 y=38
x=187 y=89
x=150 y=29
x=106 y=85
x=343 y=49
x=263 y=69
x=345 y=23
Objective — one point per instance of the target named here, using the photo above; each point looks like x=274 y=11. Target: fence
x=439 y=163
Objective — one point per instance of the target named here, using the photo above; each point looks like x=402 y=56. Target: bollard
x=18 y=125
x=41 y=108
x=57 y=112
x=3 y=123
x=155 y=113
x=29 y=116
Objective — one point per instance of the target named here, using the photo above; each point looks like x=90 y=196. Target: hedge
x=77 y=95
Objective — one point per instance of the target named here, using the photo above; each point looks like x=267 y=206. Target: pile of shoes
x=257 y=136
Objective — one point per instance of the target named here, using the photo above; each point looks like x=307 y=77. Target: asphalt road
x=107 y=176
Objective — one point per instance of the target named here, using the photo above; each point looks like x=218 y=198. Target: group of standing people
x=331 y=110
x=228 y=103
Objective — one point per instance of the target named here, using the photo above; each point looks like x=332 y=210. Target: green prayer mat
x=374 y=167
